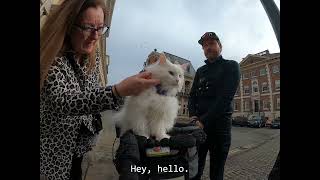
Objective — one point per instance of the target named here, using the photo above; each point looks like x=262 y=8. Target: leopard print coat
x=68 y=101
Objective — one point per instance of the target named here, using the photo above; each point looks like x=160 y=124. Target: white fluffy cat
x=153 y=112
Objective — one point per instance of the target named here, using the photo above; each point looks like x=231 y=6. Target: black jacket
x=212 y=92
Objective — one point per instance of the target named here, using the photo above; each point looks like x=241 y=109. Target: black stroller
x=139 y=158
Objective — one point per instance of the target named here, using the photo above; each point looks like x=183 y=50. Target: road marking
x=233 y=151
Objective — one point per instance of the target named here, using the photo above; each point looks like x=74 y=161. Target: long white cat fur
x=150 y=113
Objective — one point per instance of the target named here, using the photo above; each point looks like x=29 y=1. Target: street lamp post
x=274 y=16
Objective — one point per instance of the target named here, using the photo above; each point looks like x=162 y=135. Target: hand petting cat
x=134 y=85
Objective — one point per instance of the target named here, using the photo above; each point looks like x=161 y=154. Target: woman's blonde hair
x=54 y=36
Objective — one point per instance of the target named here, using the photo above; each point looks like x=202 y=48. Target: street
x=252 y=154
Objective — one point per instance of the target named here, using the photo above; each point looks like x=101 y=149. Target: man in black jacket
x=210 y=104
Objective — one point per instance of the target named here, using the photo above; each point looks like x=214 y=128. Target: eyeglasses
x=88 y=30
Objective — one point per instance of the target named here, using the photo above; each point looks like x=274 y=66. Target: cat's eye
x=179 y=75
x=171 y=73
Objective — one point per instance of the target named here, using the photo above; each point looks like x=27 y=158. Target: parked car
x=240 y=121
x=276 y=123
x=257 y=121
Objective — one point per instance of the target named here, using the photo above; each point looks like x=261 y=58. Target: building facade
x=48 y=5
x=259 y=88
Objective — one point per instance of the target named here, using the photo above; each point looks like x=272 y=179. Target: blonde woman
x=70 y=96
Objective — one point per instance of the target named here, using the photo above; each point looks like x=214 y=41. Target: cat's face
x=170 y=75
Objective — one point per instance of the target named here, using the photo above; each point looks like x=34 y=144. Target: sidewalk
x=98 y=165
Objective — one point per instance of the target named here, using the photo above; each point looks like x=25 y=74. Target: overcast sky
x=175 y=26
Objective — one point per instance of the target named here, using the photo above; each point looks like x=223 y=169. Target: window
x=245 y=76
x=278 y=103
x=277 y=85
x=187 y=87
x=275 y=69
x=246 y=90
x=256 y=105
x=265 y=87
x=253 y=74
x=263 y=71
x=255 y=88
x=236 y=106
x=266 y=105
x=246 y=106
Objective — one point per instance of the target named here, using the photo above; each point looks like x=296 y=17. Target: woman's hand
x=199 y=124
x=197 y=121
x=134 y=85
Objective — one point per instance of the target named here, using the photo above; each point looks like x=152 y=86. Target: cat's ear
x=185 y=66
x=162 y=59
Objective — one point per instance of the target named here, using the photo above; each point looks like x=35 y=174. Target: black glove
x=182 y=141
x=165 y=142
x=200 y=136
x=142 y=141
x=150 y=143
